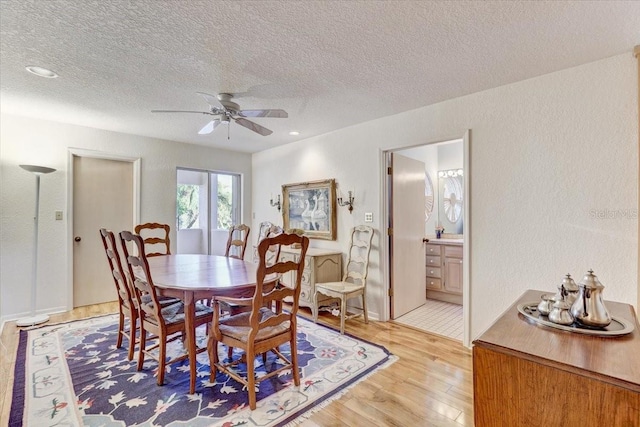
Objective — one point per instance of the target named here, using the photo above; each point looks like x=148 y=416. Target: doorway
x=454 y=215
x=103 y=192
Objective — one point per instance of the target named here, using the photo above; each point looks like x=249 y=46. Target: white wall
x=548 y=157
x=30 y=141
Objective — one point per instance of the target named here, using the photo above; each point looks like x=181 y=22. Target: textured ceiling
x=330 y=64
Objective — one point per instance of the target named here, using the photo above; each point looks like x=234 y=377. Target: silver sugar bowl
x=561 y=311
x=546 y=304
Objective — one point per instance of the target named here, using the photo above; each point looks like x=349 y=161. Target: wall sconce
x=347 y=202
x=276 y=203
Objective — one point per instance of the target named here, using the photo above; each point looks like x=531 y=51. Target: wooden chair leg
x=251 y=379
x=143 y=345
x=133 y=329
x=162 y=359
x=132 y=336
x=230 y=353
x=314 y=307
x=364 y=308
x=120 y=329
x=343 y=313
x=294 y=360
x=212 y=347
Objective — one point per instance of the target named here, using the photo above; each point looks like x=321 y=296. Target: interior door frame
x=135 y=215
x=385 y=250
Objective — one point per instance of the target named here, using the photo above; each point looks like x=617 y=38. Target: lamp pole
x=34 y=319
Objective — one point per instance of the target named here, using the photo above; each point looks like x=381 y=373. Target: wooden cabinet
x=526 y=374
x=320 y=266
x=444 y=271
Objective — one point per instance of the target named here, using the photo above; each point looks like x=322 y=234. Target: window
x=207 y=204
x=188 y=204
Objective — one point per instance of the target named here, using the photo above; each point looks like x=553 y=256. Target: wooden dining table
x=196 y=277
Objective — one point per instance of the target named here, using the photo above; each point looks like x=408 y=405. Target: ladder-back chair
x=126 y=301
x=164 y=323
x=237 y=241
x=156 y=238
x=354 y=280
x=261 y=329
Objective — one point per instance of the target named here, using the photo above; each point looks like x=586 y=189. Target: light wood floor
x=431 y=384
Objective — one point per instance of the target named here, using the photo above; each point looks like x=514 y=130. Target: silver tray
x=615 y=328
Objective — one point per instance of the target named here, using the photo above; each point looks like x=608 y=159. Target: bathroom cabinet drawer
x=433 y=261
x=433 y=283
x=434 y=272
x=433 y=249
x=453 y=251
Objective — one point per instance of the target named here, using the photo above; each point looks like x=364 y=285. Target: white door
x=408 y=280
x=102 y=198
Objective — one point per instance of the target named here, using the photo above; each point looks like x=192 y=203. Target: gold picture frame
x=311 y=206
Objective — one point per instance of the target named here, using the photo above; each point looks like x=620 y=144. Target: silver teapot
x=588 y=309
x=570 y=288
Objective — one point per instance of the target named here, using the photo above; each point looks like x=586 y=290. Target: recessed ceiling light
x=294 y=133
x=42 y=72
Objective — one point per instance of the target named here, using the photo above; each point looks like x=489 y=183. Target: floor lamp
x=34 y=319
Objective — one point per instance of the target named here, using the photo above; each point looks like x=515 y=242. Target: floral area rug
x=72 y=374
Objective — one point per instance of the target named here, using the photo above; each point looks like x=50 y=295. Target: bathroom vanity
x=443 y=263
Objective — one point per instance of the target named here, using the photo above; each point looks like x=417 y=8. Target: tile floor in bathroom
x=437 y=317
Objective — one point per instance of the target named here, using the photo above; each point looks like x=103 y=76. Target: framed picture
x=311 y=206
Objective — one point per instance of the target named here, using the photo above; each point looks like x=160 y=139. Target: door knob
x=425 y=240
x=77 y=238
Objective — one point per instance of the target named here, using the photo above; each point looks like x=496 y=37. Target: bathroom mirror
x=450 y=200
x=428 y=197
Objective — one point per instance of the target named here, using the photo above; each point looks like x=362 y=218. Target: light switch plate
x=368 y=217
x=58 y=215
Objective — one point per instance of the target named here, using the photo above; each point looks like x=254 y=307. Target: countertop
x=444 y=241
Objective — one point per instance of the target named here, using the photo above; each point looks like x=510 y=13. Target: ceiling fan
x=224 y=110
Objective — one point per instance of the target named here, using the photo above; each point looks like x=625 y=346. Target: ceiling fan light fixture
x=41 y=72
x=224 y=110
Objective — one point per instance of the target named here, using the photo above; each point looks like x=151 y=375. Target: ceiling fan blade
x=253 y=126
x=182 y=111
x=211 y=100
x=264 y=113
x=209 y=127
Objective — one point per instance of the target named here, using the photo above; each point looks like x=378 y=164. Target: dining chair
x=127 y=306
x=354 y=280
x=156 y=235
x=265 y=230
x=272 y=256
x=237 y=241
x=273 y=253
x=164 y=323
x=261 y=329
x=236 y=246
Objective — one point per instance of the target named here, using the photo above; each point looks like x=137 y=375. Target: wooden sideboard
x=527 y=374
